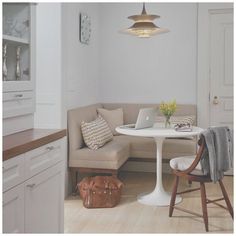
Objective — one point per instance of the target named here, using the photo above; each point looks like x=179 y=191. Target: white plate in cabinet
x=44 y=211
x=17 y=103
x=13 y=172
x=42 y=158
x=13 y=210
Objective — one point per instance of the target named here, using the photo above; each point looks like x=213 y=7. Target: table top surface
x=157 y=131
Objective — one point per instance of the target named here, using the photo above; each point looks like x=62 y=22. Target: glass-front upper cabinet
x=18 y=46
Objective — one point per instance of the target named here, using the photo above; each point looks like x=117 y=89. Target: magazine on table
x=184 y=127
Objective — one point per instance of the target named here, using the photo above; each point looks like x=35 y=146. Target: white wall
x=80 y=69
x=80 y=61
x=67 y=71
x=113 y=67
x=154 y=69
x=48 y=66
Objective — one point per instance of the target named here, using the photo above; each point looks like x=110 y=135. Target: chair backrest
x=202 y=146
x=218 y=157
x=215 y=172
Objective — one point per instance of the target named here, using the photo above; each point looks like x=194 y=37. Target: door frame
x=203 y=58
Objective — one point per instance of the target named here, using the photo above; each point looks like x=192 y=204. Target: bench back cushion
x=75 y=117
x=131 y=110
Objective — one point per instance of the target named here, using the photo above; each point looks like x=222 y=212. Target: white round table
x=158 y=197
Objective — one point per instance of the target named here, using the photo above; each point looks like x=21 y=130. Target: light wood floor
x=132 y=217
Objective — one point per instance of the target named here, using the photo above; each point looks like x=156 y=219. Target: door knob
x=215 y=100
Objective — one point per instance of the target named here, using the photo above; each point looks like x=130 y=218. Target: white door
x=44 y=197
x=221 y=68
x=13 y=210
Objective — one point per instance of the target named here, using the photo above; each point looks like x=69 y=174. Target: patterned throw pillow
x=96 y=133
x=177 y=119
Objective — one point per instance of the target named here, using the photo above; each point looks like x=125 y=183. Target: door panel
x=44 y=194
x=221 y=68
x=13 y=210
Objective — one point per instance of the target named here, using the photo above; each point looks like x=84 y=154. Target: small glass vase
x=167 y=122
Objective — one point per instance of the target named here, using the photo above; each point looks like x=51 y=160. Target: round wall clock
x=85 y=28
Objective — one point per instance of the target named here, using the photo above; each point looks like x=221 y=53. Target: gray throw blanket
x=217 y=156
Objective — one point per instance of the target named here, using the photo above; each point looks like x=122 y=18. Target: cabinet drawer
x=43 y=157
x=17 y=103
x=13 y=172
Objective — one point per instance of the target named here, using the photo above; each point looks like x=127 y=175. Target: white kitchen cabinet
x=17 y=103
x=13 y=172
x=13 y=210
x=43 y=196
x=43 y=157
x=18 y=46
x=18 y=74
x=33 y=190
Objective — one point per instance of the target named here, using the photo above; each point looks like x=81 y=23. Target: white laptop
x=146 y=117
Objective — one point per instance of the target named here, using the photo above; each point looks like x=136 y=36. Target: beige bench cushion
x=111 y=156
x=141 y=147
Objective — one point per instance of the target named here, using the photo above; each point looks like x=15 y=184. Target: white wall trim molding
x=203 y=60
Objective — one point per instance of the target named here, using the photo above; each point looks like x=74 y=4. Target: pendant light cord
x=144 y=10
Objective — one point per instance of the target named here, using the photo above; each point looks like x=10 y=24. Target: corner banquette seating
x=110 y=157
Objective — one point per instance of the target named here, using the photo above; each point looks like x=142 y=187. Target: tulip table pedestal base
x=159 y=197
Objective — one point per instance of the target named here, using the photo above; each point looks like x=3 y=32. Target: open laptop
x=146 y=117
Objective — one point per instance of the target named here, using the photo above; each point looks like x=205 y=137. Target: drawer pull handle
x=19 y=95
x=50 y=148
x=30 y=185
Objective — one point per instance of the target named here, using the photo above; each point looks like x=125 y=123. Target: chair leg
x=204 y=205
x=231 y=211
x=173 y=196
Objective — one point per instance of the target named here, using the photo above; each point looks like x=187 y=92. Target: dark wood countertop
x=27 y=140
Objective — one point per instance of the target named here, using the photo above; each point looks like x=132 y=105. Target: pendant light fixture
x=144 y=26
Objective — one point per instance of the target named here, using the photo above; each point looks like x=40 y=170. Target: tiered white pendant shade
x=144 y=26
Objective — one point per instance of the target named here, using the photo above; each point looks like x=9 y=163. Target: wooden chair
x=202 y=179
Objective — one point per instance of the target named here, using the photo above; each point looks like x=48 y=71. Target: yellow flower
x=169 y=108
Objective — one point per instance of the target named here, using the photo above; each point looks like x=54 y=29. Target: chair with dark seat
x=191 y=170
